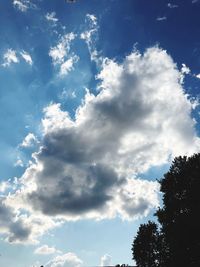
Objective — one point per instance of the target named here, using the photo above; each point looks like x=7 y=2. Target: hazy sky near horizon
x=96 y=99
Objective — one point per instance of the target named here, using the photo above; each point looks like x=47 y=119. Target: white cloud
x=184 y=71
x=26 y=57
x=10 y=57
x=67 y=66
x=170 y=5
x=19 y=163
x=29 y=140
x=60 y=51
x=161 y=18
x=66 y=260
x=106 y=260
x=4 y=185
x=46 y=250
x=90 y=37
x=197 y=76
x=89 y=166
x=23 y=5
x=51 y=17
x=61 y=55
x=67 y=94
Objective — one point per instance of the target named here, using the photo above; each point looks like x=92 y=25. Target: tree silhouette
x=179 y=216
x=146 y=245
x=178 y=242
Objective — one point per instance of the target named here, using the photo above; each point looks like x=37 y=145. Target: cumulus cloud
x=10 y=57
x=23 y=5
x=68 y=65
x=89 y=166
x=197 y=76
x=29 y=141
x=105 y=260
x=46 y=250
x=66 y=260
x=61 y=55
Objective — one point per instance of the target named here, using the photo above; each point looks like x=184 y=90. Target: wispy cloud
x=46 y=250
x=90 y=36
x=24 y=5
x=172 y=5
x=51 y=17
x=26 y=57
x=161 y=18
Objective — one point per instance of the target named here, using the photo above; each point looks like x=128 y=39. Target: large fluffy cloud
x=88 y=167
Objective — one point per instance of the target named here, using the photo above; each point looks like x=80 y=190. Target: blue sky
x=96 y=98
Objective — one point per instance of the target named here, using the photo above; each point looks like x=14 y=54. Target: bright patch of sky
x=96 y=99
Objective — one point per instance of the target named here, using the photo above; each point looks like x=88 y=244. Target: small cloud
x=19 y=163
x=26 y=57
x=61 y=56
x=184 y=71
x=10 y=57
x=195 y=1
x=90 y=36
x=161 y=18
x=46 y=250
x=197 y=76
x=67 y=66
x=67 y=94
x=59 y=52
x=106 y=260
x=172 y=5
x=23 y=5
x=51 y=17
x=66 y=260
x=29 y=140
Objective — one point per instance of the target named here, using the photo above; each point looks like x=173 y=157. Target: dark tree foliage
x=146 y=245
x=179 y=216
x=179 y=237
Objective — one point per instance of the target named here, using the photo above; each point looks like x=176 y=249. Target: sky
x=96 y=99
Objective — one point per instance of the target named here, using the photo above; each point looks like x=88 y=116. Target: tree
x=179 y=218
x=146 y=245
x=177 y=244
